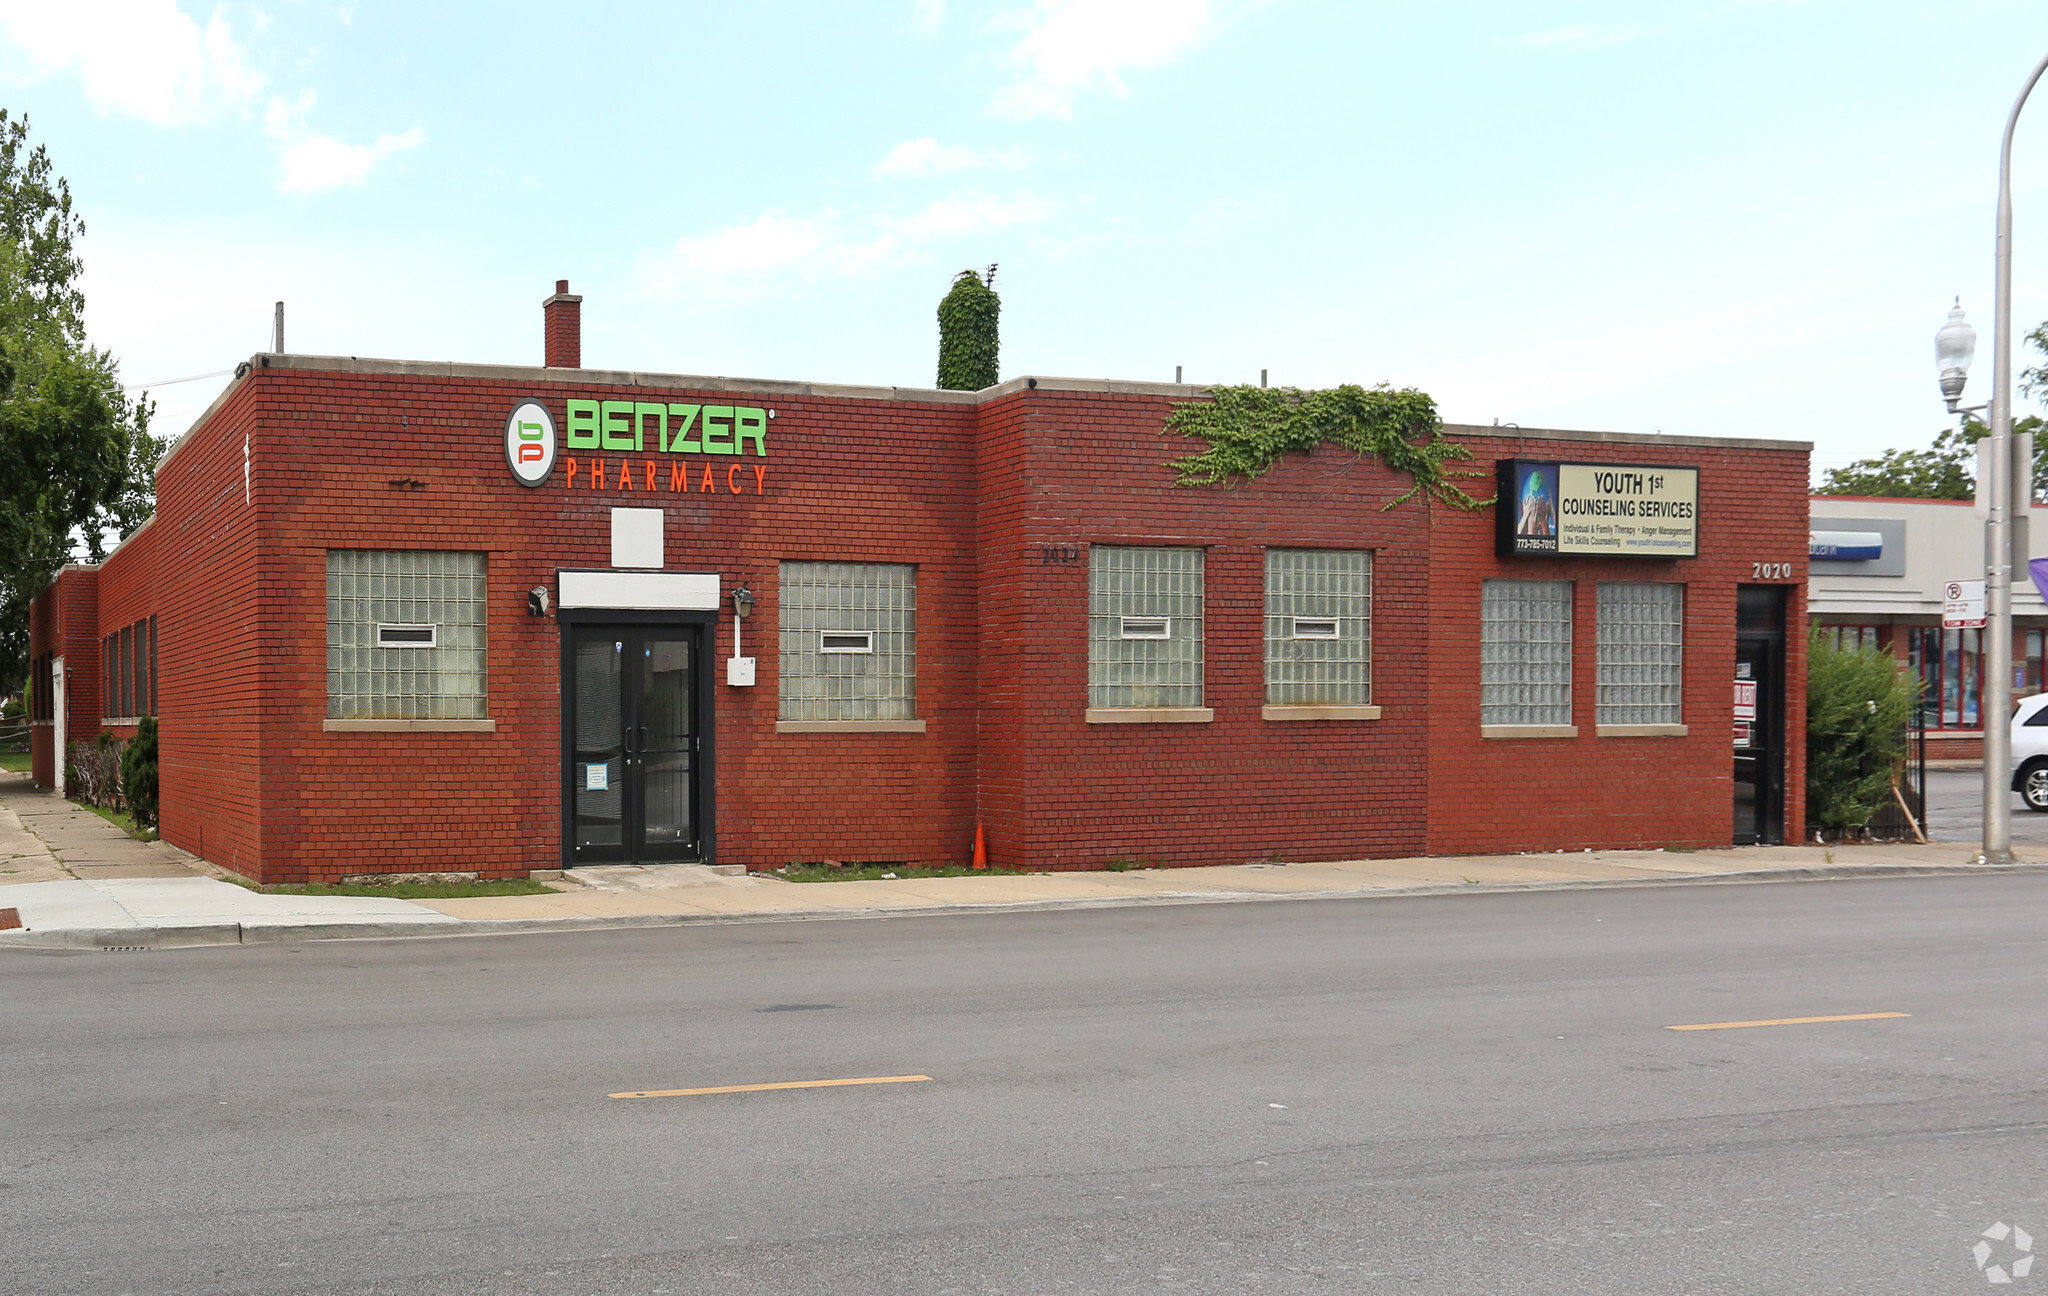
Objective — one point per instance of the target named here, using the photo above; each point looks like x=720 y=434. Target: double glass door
x=633 y=757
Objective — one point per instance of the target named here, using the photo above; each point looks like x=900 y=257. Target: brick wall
x=64 y=621
x=1070 y=470
x=1575 y=793
x=334 y=459
x=997 y=500
x=211 y=638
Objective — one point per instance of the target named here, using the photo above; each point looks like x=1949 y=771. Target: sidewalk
x=77 y=886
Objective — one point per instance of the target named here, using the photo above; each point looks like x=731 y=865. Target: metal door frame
x=705 y=764
x=1770 y=722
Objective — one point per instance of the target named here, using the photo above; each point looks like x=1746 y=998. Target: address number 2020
x=1772 y=571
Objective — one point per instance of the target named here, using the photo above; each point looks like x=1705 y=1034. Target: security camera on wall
x=537 y=600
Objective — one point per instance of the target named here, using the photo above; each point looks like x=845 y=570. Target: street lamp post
x=2008 y=491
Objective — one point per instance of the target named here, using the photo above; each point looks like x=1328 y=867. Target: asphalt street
x=1451 y=1094
x=1955 y=811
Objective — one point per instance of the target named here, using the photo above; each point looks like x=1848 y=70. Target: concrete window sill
x=409 y=726
x=1150 y=715
x=849 y=726
x=1641 y=731
x=1295 y=712
x=1528 y=731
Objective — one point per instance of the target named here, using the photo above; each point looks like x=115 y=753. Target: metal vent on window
x=846 y=641
x=406 y=636
x=1147 y=627
x=1315 y=627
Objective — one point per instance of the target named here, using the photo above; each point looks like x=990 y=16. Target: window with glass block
x=1318 y=627
x=1525 y=653
x=1642 y=653
x=1144 y=627
x=374 y=595
x=849 y=641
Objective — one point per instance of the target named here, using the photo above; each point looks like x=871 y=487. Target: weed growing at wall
x=1249 y=428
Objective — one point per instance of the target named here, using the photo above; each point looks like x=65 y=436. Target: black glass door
x=1759 y=715
x=632 y=698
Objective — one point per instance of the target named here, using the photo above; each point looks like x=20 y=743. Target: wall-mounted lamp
x=739 y=670
x=537 y=600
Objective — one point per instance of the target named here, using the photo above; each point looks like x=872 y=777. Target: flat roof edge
x=608 y=378
x=264 y=361
x=1628 y=438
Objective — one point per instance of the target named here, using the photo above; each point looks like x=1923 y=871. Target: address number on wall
x=1772 y=571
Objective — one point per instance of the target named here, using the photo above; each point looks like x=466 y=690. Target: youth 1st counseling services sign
x=1597 y=510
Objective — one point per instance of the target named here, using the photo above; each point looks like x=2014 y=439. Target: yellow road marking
x=758 y=1088
x=1788 y=1021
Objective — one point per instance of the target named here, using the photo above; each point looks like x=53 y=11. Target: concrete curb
x=179 y=935
x=130 y=938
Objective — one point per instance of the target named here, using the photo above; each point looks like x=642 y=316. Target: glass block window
x=1133 y=659
x=368 y=588
x=1318 y=627
x=849 y=641
x=1525 y=653
x=1642 y=653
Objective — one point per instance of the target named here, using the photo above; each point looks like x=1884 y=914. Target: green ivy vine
x=968 y=333
x=1249 y=428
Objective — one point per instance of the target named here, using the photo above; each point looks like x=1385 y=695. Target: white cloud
x=928 y=157
x=770 y=243
x=927 y=14
x=147 y=58
x=314 y=162
x=968 y=214
x=1069 y=47
x=756 y=259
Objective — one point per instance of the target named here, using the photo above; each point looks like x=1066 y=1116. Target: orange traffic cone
x=980 y=849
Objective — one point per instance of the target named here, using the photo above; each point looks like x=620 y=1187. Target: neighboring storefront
x=1880 y=576
x=400 y=616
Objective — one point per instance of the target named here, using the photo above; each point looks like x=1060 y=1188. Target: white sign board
x=1962 y=605
x=1745 y=699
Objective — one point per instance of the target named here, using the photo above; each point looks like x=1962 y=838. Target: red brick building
x=399 y=616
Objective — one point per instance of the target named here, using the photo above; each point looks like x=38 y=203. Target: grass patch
x=858 y=872
x=121 y=819
x=17 y=762
x=407 y=890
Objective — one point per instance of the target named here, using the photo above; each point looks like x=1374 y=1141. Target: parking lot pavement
x=1955 y=810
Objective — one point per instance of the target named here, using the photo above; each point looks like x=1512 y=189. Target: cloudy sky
x=1725 y=217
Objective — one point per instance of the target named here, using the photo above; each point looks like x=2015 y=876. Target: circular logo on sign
x=530 y=443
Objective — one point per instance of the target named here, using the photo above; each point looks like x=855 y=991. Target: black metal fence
x=1904 y=817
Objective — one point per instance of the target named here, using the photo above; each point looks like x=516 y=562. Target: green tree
x=967 y=333
x=1857 y=704
x=76 y=455
x=1945 y=470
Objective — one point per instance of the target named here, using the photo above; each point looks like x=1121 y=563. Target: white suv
x=2030 y=752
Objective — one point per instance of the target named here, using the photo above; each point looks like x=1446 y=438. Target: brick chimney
x=564 y=328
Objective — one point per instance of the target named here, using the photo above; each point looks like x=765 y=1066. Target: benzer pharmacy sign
x=628 y=447
x=1597 y=510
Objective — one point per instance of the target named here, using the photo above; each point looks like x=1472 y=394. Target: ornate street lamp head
x=1955 y=345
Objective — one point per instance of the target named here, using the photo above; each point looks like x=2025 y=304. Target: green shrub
x=138 y=773
x=1858 y=703
x=967 y=333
